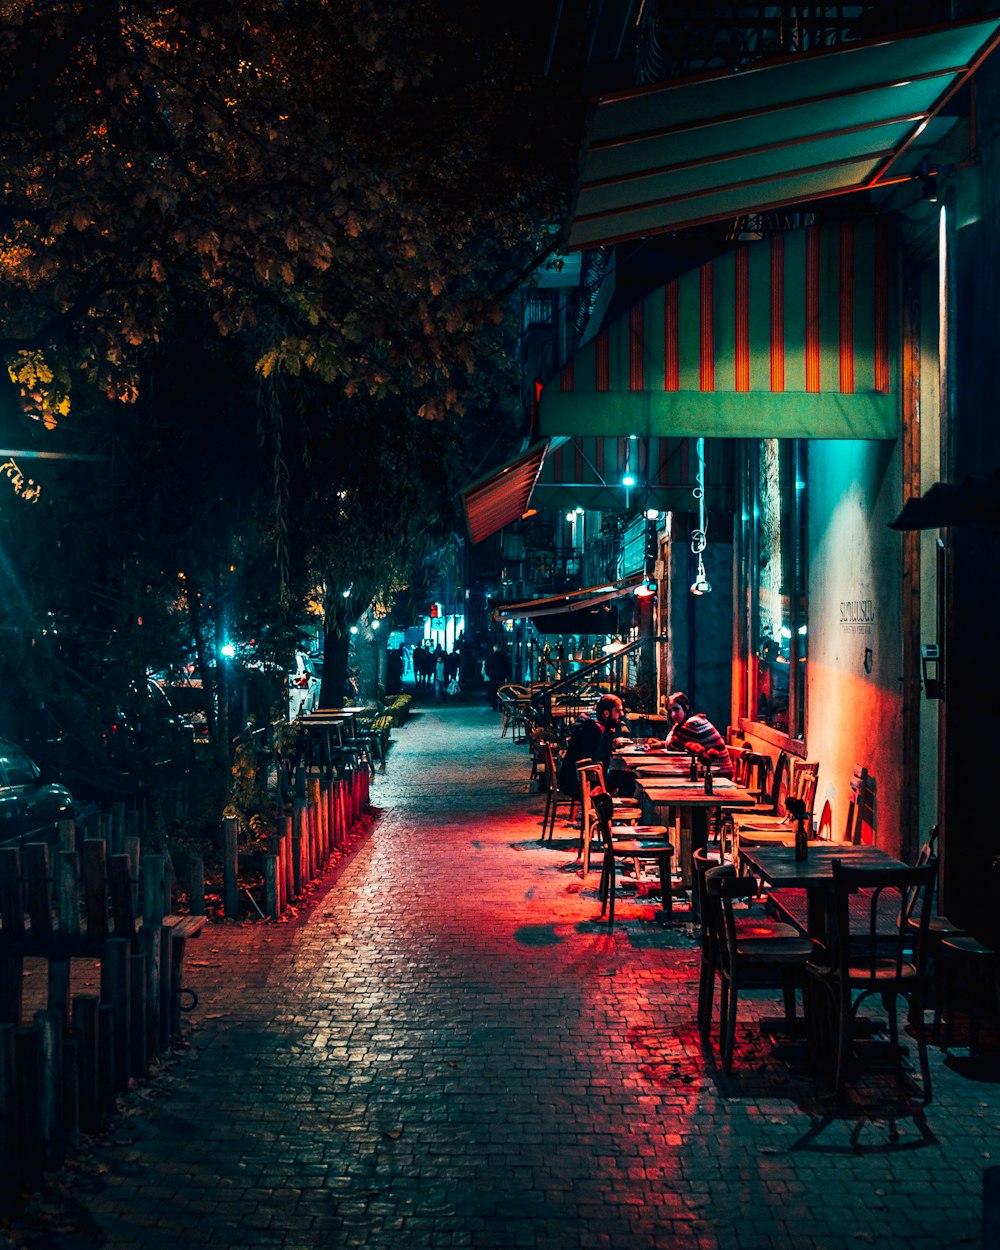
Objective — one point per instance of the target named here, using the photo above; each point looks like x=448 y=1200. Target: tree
x=370 y=490
x=351 y=187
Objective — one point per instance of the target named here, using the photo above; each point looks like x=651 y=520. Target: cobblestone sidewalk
x=446 y=1049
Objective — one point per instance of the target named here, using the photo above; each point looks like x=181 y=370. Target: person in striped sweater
x=694 y=732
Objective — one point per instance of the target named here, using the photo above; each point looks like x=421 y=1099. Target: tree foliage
x=351 y=187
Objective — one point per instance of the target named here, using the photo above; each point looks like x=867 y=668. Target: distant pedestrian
x=497 y=668
x=440 y=674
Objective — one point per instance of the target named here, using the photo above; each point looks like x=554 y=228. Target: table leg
x=666 y=913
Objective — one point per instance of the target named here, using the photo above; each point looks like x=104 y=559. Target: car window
x=19 y=769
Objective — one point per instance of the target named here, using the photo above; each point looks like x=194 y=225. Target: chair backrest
x=882 y=936
x=548 y=754
x=722 y=886
x=780 y=784
x=702 y=863
x=603 y=808
x=805 y=777
x=926 y=855
x=591 y=776
x=859 y=809
x=740 y=756
x=758 y=766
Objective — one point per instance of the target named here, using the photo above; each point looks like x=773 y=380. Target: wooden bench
x=185 y=926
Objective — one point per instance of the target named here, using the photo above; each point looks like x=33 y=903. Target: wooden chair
x=756 y=771
x=635 y=843
x=940 y=930
x=868 y=959
x=762 y=829
x=513 y=702
x=750 y=925
x=745 y=962
x=625 y=812
x=553 y=795
x=860 y=807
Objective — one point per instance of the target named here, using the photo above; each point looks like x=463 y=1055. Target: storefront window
x=777 y=633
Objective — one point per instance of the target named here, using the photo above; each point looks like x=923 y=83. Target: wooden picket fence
x=61 y=1073
x=106 y=899
x=317 y=825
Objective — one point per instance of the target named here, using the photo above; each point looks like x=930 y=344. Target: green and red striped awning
x=787 y=337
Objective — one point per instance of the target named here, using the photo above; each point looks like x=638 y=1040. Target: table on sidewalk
x=324 y=730
x=778 y=867
x=684 y=806
x=350 y=714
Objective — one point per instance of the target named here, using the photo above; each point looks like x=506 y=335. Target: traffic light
x=435 y=610
x=652 y=545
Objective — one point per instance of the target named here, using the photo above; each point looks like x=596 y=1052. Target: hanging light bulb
x=699 y=537
x=701 y=585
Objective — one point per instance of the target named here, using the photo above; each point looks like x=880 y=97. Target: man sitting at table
x=594 y=738
x=694 y=732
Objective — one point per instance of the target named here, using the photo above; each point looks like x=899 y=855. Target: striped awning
x=501 y=496
x=788 y=337
x=592 y=473
x=776 y=133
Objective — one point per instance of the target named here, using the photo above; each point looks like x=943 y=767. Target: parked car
x=30 y=805
x=148 y=730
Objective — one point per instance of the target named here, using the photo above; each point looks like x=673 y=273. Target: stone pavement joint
x=446 y=1048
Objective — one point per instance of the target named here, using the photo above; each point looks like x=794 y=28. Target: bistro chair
x=553 y=795
x=761 y=829
x=745 y=962
x=626 y=813
x=870 y=959
x=751 y=924
x=753 y=771
x=513 y=703
x=637 y=844
x=940 y=930
x=860 y=807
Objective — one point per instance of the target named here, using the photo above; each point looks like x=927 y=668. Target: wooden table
x=323 y=726
x=349 y=713
x=778 y=866
x=674 y=801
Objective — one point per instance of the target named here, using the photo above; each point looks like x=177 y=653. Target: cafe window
x=775 y=562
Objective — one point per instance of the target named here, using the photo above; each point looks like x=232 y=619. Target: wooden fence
x=106 y=899
x=317 y=824
x=60 y=1074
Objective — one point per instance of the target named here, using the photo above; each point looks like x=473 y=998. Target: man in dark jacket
x=594 y=739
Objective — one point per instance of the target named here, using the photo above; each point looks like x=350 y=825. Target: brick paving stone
x=446 y=1048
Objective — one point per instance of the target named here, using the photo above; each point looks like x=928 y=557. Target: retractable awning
x=501 y=496
x=606 y=609
x=781 y=132
x=788 y=337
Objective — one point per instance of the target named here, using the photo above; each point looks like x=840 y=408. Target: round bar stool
x=968 y=971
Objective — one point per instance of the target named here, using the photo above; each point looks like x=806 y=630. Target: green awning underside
x=788 y=131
